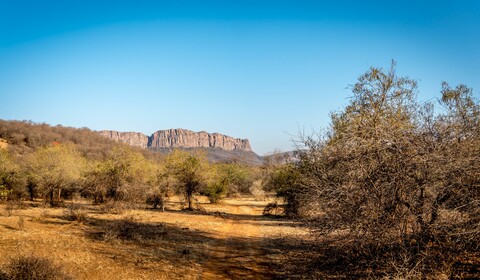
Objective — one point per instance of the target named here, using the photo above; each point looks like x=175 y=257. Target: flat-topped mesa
x=179 y=138
x=183 y=138
x=131 y=138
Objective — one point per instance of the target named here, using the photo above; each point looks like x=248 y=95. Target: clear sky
x=260 y=70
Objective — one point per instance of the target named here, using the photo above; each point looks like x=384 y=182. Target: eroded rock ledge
x=179 y=138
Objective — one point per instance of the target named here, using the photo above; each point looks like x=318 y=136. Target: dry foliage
x=393 y=185
x=33 y=268
x=130 y=229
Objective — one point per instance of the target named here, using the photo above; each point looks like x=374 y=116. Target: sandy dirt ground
x=231 y=240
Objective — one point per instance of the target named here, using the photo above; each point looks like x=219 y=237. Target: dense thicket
x=393 y=173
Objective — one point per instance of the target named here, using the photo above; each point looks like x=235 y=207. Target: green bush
x=215 y=191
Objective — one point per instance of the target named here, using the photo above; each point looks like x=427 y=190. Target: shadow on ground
x=272 y=220
x=145 y=243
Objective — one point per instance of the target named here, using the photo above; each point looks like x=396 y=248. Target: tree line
x=54 y=163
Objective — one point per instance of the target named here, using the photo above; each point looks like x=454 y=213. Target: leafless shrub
x=115 y=207
x=21 y=223
x=44 y=214
x=130 y=229
x=156 y=200
x=201 y=209
x=389 y=173
x=257 y=191
x=107 y=208
x=75 y=213
x=273 y=209
x=9 y=209
x=34 y=268
x=13 y=205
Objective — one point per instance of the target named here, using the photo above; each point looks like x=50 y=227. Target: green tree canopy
x=55 y=168
x=124 y=175
x=191 y=171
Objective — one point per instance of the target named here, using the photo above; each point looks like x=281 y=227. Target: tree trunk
x=59 y=196
x=190 y=189
x=31 y=191
x=51 y=198
x=190 y=202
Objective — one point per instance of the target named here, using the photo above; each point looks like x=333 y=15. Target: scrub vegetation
x=390 y=190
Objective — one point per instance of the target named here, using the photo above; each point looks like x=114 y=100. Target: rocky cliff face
x=179 y=138
x=132 y=138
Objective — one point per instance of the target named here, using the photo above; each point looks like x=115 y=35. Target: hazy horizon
x=259 y=70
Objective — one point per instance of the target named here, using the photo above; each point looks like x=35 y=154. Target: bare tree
x=390 y=171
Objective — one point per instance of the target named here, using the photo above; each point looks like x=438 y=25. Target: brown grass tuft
x=33 y=268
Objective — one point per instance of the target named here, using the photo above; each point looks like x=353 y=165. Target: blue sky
x=260 y=70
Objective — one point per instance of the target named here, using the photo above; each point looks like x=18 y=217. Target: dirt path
x=231 y=240
x=240 y=239
x=240 y=250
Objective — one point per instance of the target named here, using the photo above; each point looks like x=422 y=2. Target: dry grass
x=33 y=268
x=231 y=240
x=3 y=144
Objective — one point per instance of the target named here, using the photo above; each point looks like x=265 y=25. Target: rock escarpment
x=179 y=138
x=182 y=138
x=132 y=138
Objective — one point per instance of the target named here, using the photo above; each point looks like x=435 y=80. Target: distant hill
x=218 y=147
x=23 y=137
x=179 y=138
